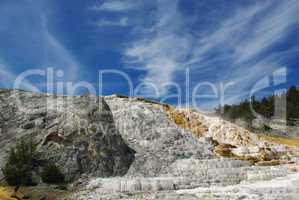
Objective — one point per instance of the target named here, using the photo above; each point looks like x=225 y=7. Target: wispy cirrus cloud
x=249 y=32
x=248 y=46
x=7 y=79
x=273 y=27
x=239 y=41
x=31 y=45
x=117 y=13
x=251 y=35
x=117 y=5
x=122 y=22
x=228 y=34
x=58 y=56
x=163 y=48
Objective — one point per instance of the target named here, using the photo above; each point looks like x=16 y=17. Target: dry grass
x=252 y=160
x=5 y=194
x=32 y=193
x=280 y=140
x=224 y=150
x=263 y=159
x=268 y=163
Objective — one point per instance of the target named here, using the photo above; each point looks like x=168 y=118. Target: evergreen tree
x=265 y=107
x=51 y=174
x=18 y=168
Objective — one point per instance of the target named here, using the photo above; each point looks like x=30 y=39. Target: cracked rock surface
x=115 y=148
x=171 y=163
x=76 y=133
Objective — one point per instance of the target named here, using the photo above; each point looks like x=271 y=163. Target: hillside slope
x=76 y=133
x=178 y=156
x=116 y=147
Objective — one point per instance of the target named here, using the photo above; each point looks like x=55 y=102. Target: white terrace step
x=276 y=189
x=214 y=178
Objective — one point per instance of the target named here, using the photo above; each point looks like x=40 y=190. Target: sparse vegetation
x=279 y=140
x=51 y=174
x=268 y=163
x=265 y=107
x=18 y=168
x=31 y=193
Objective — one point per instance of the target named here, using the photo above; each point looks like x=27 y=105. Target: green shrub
x=267 y=128
x=19 y=165
x=51 y=174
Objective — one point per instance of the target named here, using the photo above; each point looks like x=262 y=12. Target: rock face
x=158 y=141
x=155 y=151
x=220 y=130
x=76 y=133
x=175 y=158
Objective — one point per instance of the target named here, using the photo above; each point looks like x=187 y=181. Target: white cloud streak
x=228 y=34
x=243 y=37
x=270 y=30
x=117 y=5
x=7 y=79
x=247 y=33
x=68 y=63
x=59 y=56
x=162 y=51
x=122 y=22
x=43 y=48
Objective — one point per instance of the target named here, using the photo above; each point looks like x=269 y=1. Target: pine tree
x=265 y=107
x=18 y=168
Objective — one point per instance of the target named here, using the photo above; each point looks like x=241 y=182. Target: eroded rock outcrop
x=231 y=140
x=76 y=133
x=179 y=154
x=158 y=141
x=176 y=157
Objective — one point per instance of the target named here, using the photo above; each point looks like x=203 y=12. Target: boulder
x=76 y=133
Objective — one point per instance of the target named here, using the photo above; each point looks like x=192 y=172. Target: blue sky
x=152 y=41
